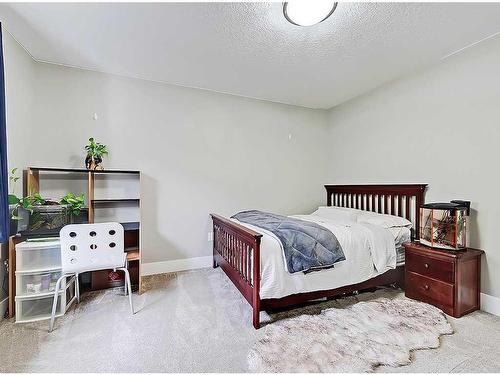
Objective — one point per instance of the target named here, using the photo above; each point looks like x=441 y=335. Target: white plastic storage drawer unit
x=38 y=266
x=36 y=256
x=37 y=283
x=34 y=308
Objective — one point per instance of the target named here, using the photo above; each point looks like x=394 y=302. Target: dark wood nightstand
x=449 y=280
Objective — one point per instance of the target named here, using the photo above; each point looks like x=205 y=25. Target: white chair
x=91 y=247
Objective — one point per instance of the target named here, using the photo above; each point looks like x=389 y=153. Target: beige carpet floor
x=197 y=322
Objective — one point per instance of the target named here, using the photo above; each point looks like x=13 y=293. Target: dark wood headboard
x=401 y=200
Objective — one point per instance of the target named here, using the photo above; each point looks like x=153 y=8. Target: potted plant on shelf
x=95 y=152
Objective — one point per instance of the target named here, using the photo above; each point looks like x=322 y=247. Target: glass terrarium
x=47 y=220
x=444 y=225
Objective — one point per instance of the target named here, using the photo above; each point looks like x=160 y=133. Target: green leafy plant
x=13 y=178
x=24 y=202
x=95 y=152
x=96 y=149
x=27 y=203
x=74 y=202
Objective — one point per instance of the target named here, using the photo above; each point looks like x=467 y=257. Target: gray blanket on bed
x=307 y=246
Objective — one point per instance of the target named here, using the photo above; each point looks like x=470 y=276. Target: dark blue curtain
x=4 y=176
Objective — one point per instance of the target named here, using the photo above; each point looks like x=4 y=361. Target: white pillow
x=336 y=214
x=382 y=220
x=345 y=214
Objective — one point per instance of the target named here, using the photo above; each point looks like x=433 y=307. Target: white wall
x=19 y=88
x=199 y=151
x=441 y=127
x=19 y=79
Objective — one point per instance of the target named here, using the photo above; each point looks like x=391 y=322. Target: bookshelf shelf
x=82 y=170
x=132 y=256
x=131 y=225
x=120 y=200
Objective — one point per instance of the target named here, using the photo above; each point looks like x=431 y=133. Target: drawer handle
x=426 y=265
x=426 y=287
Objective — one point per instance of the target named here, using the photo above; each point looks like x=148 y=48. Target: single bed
x=253 y=259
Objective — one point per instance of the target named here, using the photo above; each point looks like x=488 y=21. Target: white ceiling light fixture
x=308 y=13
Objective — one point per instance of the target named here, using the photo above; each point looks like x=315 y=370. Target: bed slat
x=407 y=209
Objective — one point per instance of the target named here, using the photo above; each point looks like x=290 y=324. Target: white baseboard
x=4 y=304
x=154 y=268
x=490 y=304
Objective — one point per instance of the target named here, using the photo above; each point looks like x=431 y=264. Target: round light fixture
x=308 y=13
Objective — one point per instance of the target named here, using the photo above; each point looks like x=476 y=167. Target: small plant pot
x=82 y=218
x=21 y=224
x=93 y=163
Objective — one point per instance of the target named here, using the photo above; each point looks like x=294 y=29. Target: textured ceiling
x=249 y=49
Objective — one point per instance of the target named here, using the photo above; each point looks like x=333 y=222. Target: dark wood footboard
x=237 y=252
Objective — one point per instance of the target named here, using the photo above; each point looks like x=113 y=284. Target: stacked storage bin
x=38 y=266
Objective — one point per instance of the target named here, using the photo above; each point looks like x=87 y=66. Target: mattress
x=401 y=235
x=400 y=256
x=370 y=251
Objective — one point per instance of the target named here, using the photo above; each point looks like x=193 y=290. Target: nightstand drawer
x=436 y=268
x=429 y=290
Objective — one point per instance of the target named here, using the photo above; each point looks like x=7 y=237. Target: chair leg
x=54 y=303
x=128 y=286
x=77 y=288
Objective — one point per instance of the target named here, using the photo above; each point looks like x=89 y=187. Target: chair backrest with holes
x=87 y=247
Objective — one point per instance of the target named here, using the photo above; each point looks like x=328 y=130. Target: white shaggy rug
x=356 y=338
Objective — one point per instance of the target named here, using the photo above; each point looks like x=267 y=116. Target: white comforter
x=369 y=250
